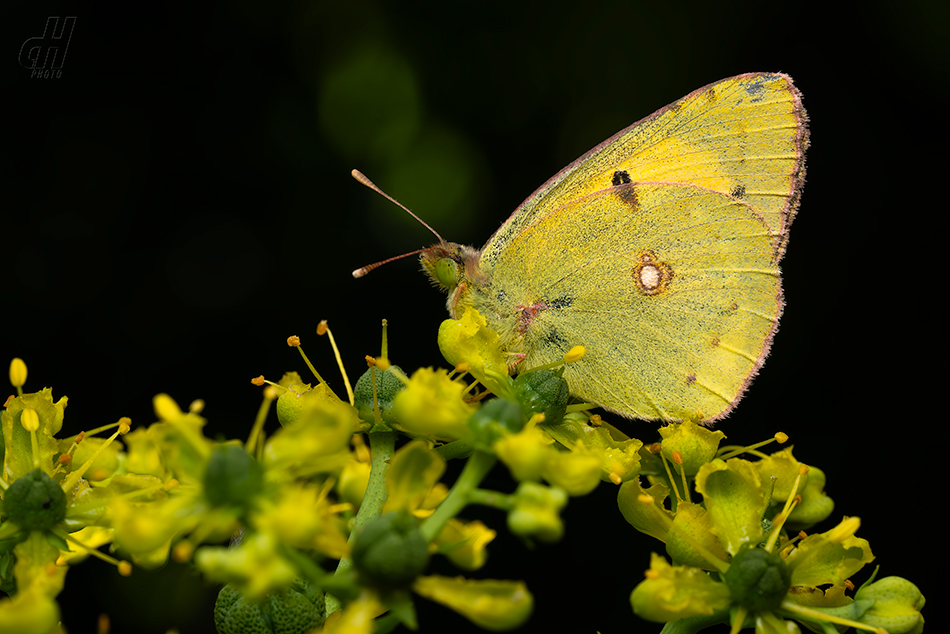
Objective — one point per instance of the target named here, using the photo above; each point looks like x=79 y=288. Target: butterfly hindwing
x=673 y=290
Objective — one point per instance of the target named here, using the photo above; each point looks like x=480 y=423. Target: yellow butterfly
x=657 y=251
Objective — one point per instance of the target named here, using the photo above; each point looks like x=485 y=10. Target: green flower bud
x=232 y=477
x=758 y=580
x=543 y=392
x=290 y=403
x=297 y=609
x=35 y=502
x=390 y=551
x=897 y=605
x=494 y=419
x=387 y=386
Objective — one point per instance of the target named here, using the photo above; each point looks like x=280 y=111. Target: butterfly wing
x=744 y=137
x=673 y=289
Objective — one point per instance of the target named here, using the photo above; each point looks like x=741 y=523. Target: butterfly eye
x=446 y=271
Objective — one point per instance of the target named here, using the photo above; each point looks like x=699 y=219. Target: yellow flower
x=469 y=340
x=535 y=512
x=433 y=405
x=300 y=517
x=413 y=471
x=464 y=543
x=255 y=567
x=490 y=604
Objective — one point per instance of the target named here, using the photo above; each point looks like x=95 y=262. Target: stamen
x=575 y=354
x=815 y=615
x=294 y=342
x=794 y=499
x=678 y=460
x=324 y=328
x=18 y=374
x=73 y=478
x=29 y=419
x=124 y=567
x=669 y=474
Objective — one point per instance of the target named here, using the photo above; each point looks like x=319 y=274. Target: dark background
x=178 y=202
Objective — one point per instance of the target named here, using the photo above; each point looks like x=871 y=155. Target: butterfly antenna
x=363 y=270
x=360 y=272
x=361 y=177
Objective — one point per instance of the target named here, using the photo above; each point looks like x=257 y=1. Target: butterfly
x=658 y=251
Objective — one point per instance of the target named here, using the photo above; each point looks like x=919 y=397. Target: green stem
x=476 y=468
x=382 y=445
x=493 y=499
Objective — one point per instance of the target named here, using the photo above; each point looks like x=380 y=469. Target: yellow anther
x=165 y=407
x=182 y=551
x=574 y=354
x=293 y=341
x=29 y=419
x=17 y=372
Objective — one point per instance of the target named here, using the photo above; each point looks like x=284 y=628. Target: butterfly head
x=452 y=267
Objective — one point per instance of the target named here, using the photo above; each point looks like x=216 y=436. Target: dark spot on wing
x=738 y=191
x=756 y=89
x=561 y=302
x=620 y=177
x=553 y=337
x=628 y=195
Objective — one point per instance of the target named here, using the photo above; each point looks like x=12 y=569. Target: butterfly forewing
x=744 y=137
